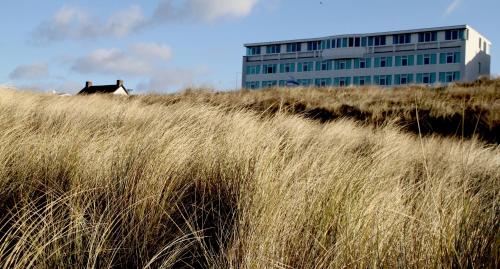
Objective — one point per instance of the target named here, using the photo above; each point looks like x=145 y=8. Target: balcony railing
x=355 y=52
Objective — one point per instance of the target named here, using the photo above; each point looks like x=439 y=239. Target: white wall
x=476 y=55
x=120 y=91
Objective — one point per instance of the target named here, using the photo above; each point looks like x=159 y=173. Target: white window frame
x=404 y=58
x=405 y=77
x=342 y=65
x=426 y=76
x=450 y=55
x=362 y=81
x=342 y=81
x=324 y=65
x=428 y=57
x=383 y=61
x=362 y=63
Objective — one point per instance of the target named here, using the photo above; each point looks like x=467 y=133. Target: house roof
x=101 y=89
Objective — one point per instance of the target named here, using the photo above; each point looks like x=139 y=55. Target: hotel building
x=438 y=55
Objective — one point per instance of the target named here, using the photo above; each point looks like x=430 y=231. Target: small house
x=117 y=89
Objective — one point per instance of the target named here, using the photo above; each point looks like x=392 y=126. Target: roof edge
x=459 y=26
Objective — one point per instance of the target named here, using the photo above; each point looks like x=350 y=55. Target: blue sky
x=166 y=45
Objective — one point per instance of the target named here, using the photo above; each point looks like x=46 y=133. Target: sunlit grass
x=100 y=181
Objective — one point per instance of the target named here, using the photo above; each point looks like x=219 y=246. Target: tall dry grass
x=97 y=182
x=458 y=110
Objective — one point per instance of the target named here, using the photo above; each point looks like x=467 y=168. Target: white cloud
x=71 y=22
x=76 y=23
x=112 y=61
x=452 y=7
x=203 y=10
x=152 y=51
x=171 y=79
x=138 y=60
x=147 y=62
x=30 y=71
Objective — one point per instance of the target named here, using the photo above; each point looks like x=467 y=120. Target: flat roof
x=363 y=35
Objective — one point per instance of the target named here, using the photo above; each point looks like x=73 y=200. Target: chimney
x=119 y=83
x=88 y=84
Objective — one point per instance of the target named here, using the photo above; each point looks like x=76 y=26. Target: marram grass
x=98 y=182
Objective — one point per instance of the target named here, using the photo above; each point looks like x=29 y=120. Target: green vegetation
x=236 y=180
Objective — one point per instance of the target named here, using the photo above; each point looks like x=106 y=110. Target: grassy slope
x=461 y=110
x=98 y=181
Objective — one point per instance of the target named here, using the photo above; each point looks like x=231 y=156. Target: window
x=293 y=47
x=427 y=37
x=344 y=42
x=272 y=49
x=377 y=41
x=334 y=43
x=426 y=78
x=364 y=41
x=357 y=42
x=269 y=68
x=449 y=58
x=268 y=84
x=339 y=42
x=287 y=68
x=325 y=44
x=452 y=35
x=362 y=63
x=484 y=46
x=305 y=82
x=253 y=70
x=447 y=77
x=401 y=39
x=342 y=81
x=252 y=85
x=324 y=65
x=383 y=62
x=426 y=59
x=322 y=82
x=253 y=51
x=404 y=60
x=342 y=64
x=363 y=80
x=313 y=45
x=383 y=80
x=305 y=67
x=480 y=42
x=403 y=79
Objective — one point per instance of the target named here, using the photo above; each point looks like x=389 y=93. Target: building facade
x=422 y=56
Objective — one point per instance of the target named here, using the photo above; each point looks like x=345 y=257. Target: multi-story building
x=422 y=56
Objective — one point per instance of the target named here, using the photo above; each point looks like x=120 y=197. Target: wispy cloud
x=30 y=71
x=452 y=7
x=113 y=62
x=75 y=23
x=202 y=10
x=147 y=62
